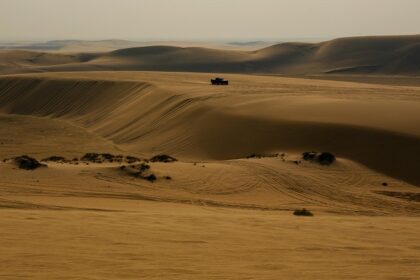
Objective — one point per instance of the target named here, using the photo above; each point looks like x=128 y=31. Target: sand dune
x=356 y=55
x=89 y=46
x=147 y=112
x=224 y=209
x=12 y=61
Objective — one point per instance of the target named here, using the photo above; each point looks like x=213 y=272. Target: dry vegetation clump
x=303 y=212
x=141 y=171
x=262 y=156
x=150 y=177
x=131 y=159
x=143 y=167
x=324 y=158
x=106 y=157
x=93 y=157
x=59 y=159
x=26 y=162
x=163 y=158
x=144 y=172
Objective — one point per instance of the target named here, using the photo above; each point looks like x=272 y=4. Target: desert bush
x=99 y=158
x=150 y=178
x=55 y=159
x=163 y=158
x=303 y=212
x=143 y=167
x=27 y=163
x=324 y=158
x=131 y=159
x=91 y=157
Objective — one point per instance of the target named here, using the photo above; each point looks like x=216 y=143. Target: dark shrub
x=99 y=158
x=163 y=158
x=108 y=157
x=92 y=157
x=303 y=212
x=143 y=167
x=131 y=159
x=309 y=156
x=255 y=156
x=323 y=158
x=150 y=178
x=326 y=158
x=55 y=159
x=27 y=163
x=263 y=156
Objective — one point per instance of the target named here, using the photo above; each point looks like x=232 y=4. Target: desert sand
x=396 y=55
x=224 y=209
x=95 y=46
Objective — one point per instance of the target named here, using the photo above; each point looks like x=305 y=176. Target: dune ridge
x=355 y=55
x=217 y=203
x=147 y=113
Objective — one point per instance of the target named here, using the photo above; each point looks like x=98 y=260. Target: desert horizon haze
x=189 y=139
x=215 y=19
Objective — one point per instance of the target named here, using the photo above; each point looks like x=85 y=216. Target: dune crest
x=147 y=112
x=355 y=55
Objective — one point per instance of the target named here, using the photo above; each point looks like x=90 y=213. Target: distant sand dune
x=355 y=55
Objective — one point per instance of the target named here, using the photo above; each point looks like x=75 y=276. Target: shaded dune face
x=387 y=152
x=71 y=99
x=179 y=114
x=355 y=55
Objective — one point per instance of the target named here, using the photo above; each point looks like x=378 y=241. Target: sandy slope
x=94 y=222
x=77 y=46
x=268 y=183
x=360 y=55
x=12 y=61
x=222 y=215
x=181 y=114
x=167 y=241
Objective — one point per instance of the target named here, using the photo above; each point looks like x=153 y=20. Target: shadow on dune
x=227 y=136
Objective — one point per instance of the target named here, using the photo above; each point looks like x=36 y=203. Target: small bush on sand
x=150 y=178
x=92 y=157
x=143 y=167
x=163 y=158
x=27 y=163
x=303 y=212
x=262 y=156
x=323 y=158
x=100 y=158
x=131 y=159
x=55 y=159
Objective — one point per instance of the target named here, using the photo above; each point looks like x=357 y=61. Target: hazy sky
x=205 y=19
